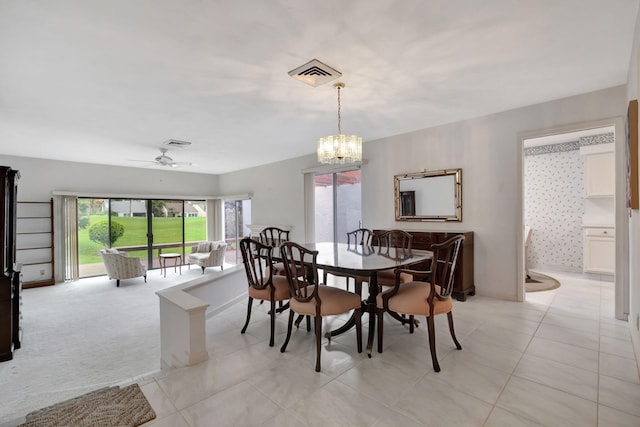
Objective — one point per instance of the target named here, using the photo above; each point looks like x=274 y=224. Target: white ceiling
x=108 y=81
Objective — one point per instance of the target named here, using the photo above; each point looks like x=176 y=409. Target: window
x=142 y=228
x=237 y=217
x=338 y=205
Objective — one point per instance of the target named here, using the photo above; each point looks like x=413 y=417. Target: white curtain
x=309 y=207
x=70 y=237
x=215 y=219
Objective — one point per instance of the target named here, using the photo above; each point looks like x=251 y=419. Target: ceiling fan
x=164 y=160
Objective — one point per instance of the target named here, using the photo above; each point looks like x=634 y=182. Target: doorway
x=568 y=212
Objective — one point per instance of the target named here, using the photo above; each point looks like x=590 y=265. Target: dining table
x=365 y=261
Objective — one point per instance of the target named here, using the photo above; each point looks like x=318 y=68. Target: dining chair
x=359 y=237
x=263 y=285
x=274 y=237
x=420 y=298
x=396 y=244
x=310 y=298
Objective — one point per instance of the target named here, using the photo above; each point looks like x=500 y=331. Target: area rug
x=537 y=282
x=110 y=406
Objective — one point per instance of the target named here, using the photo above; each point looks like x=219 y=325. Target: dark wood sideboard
x=463 y=284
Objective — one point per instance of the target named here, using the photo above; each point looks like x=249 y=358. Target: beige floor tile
x=338 y=404
x=576 y=381
x=609 y=417
x=546 y=405
x=617 y=347
x=503 y=418
x=475 y=379
x=276 y=384
x=241 y=405
x=487 y=354
x=159 y=401
x=435 y=403
x=619 y=367
x=619 y=394
x=173 y=420
x=572 y=355
x=588 y=340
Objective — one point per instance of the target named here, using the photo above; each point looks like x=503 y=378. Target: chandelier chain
x=339 y=115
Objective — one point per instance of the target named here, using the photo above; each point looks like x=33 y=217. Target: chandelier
x=339 y=149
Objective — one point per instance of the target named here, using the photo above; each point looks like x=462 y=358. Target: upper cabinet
x=599 y=174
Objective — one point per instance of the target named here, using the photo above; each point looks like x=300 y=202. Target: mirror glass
x=429 y=196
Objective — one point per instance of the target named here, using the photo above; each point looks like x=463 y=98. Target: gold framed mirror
x=429 y=196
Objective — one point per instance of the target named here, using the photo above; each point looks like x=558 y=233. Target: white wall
x=633 y=92
x=39 y=177
x=488 y=151
x=278 y=192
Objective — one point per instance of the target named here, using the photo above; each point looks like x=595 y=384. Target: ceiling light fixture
x=339 y=149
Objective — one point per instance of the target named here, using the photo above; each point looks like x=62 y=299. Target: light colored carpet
x=82 y=336
x=111 y=406
x=540 y=282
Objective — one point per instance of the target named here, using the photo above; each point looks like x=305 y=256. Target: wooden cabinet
x=599 y=250
x=10 y=286
x=464 y=282
x=34 y=243
x=599 y=173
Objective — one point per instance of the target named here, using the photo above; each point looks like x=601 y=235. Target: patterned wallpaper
x=554 y=204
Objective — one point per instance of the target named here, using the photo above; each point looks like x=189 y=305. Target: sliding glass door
x=237 y=217
x=338 y=205
x=142 y=228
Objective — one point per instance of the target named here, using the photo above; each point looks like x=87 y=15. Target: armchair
x=120 y=266
x=208 y=254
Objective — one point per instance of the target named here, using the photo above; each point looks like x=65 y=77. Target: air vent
x=176 y=143
x=315 y=73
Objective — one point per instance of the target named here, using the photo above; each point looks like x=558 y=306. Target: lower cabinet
x=599 y=250
x=463 y=282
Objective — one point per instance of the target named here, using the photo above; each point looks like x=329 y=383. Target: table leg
x=368 y=306
x=371 y=302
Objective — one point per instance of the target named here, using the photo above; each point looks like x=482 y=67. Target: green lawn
x=165 y=230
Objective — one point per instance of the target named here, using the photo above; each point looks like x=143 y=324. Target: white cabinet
x=599 y=250
x=599 y=171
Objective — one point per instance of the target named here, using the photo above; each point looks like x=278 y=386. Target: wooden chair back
x=443 y=265
x=395 y=243
x=274 y=236
x=257 y=257
x=361 y=236
x=302 y=277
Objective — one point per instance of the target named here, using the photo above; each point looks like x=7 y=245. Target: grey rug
x=540 y=282
x=110 y=406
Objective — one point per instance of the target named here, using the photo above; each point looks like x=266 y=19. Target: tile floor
x=560 y=359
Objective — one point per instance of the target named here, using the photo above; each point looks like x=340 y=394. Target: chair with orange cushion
x=263 y=285
x=417 y=298
x=274 y=237
x=310 y=298
x=396 y=244
x=361 y=237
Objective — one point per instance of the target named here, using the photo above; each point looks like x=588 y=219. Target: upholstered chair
x=419 y=298
x=357 y=239
x=263 y=285
x=310 y=298
x=120 y=266
x=208 y=254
